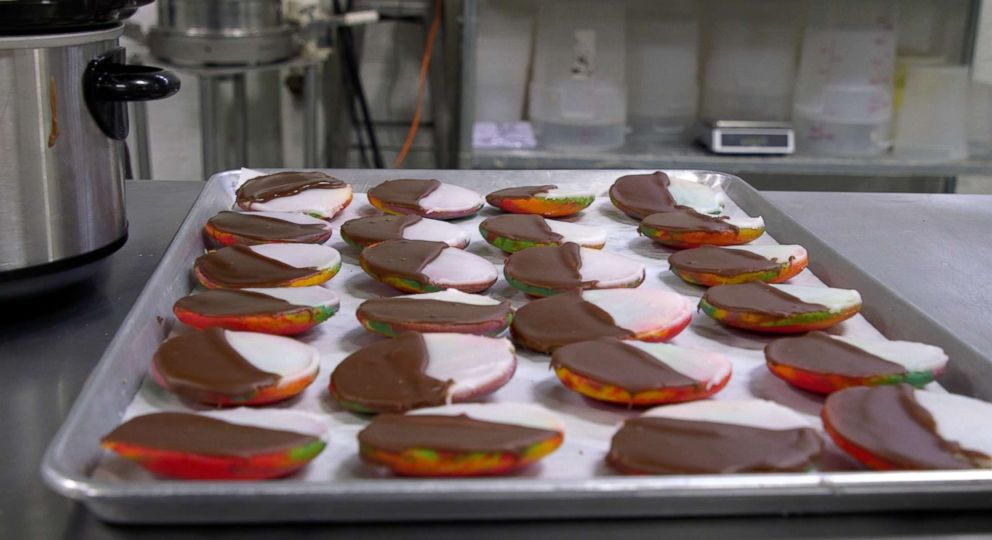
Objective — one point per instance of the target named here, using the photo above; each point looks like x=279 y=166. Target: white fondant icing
x=472 y=362
x=640 y=310
x=756 y=413
x=281 y=419
x=778 y=253
x=834 y=299
x=283 y=356
x=292 y=217
x=322 y=202
x=747 y=223
x=437 y=231
x=959 y=419
x=582 y=235
x=909 y=354
x=608 y=269
x=519 y=414
x=453 y=295
x=699 y=197
x=565 y=192
x=456 y=267
x=301 y=296
x=450 y=198
x=300 y=255
x=699 y=365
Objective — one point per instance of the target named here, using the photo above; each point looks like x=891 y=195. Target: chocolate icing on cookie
x=268 y=229
x=550 y=267
x=640 y=195
x=272 y=186
x=757 y=297
x=404 y=259
x=613 y=362
x=369 y=230
x=685 y=219
x=239 y=266
x=201 y=364
x=657 y=445
x=428 y=311
x=817 y=352
x=523 y=192
x=526 y=227
x=721 y=261
x=389 y=376
x=198 y=434
x=405 y=192
x=398 y=433
x=888 y=422
x=549 y=323
x=233 y=302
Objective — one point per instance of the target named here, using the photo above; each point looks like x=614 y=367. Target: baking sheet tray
x=569 y=483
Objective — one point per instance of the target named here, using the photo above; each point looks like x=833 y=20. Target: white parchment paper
x=589 y=425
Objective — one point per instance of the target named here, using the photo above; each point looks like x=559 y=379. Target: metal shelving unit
x=690 y=155
x=693 y=157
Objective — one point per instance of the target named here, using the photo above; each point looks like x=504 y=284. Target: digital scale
x=748 y=137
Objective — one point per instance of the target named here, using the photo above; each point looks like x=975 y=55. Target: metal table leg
x=208 y=126
x=311 y=91
x=139 y=111
x=241 y=119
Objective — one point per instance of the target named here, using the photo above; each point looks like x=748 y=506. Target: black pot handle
x=126 y=82
x=109 y=83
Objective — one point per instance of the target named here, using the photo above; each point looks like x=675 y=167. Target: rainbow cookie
x=415 y=370
x=642 y=314
x=898 y=427
x=640 y=195
x=823 y=363
x=267 y=266
x=222 y=368
x=789 y=309
x=313 y=193
x=634 y=373
x=235 y=444
x=686 y=228
x=550 y=270
x=421 y=266
x=549 y=200
x=363 y=232
x=445 y=311
x=280 y=310
x=427 y=198
x=461 y=440
x=252 y=228
x=715 y=437
x=710 y=265
x=514 y=232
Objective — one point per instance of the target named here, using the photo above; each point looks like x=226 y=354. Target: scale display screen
x=755 y=140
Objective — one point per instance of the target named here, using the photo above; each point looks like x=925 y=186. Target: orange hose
x=425 y=64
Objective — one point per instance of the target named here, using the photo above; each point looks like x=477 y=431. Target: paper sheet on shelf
x=589 y=425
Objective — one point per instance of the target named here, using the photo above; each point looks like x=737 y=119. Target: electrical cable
x=351 y=64
x=425 y=64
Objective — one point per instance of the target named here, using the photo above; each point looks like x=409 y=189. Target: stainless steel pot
x=222 y=33
x=63 y=118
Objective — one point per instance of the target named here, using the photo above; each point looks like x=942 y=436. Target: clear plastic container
x=578 y=96
x=750 y=60
x=843 y=97
x=662 y=66
x=932 y=123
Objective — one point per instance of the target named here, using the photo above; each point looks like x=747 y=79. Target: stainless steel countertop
x=934 y=249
